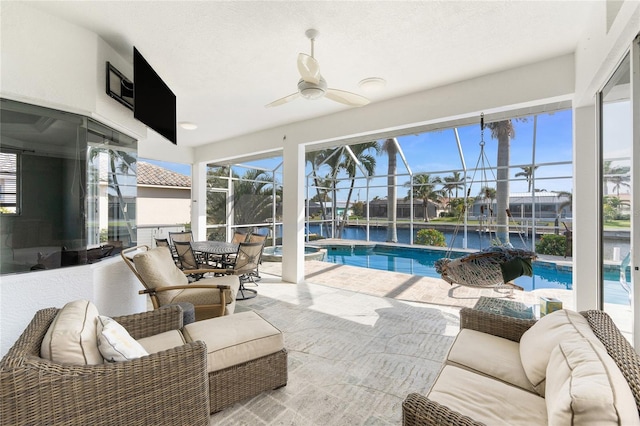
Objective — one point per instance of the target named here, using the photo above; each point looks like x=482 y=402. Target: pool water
x=419 y=261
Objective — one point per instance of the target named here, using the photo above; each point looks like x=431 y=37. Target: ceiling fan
x=311 y=84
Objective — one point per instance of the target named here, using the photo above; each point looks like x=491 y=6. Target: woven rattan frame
x=417 y=409
x=243 y=381
x=168 y=387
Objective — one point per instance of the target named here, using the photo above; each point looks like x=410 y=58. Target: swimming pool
x=420 y=261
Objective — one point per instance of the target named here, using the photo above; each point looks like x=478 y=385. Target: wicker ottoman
x=245 y=356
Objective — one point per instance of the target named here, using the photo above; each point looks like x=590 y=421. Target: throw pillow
x=71 y=337
x=586 y=387
x=537 y=343
x=115 y=343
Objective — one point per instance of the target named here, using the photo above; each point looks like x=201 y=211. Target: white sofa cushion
x=157 y=269
x=234 y=339
x=585 y=387
x=71 y=337
x=115 y=343
x=489 y=355
x=162 y=341
x=537 y=343
x=486 y=400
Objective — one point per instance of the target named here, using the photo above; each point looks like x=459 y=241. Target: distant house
x=403 y=208
x=164 y=196
x=547 y=205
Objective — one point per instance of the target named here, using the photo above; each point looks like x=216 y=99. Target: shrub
x=430 y=237
x=552 y=244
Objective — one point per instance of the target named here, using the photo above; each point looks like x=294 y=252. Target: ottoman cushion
x=235 y=339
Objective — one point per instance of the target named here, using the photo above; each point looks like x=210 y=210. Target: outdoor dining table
x=215 y=249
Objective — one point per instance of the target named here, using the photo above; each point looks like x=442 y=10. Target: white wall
x=109 y=284
x=52 y=63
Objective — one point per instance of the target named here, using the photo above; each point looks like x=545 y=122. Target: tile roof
x=150 y=174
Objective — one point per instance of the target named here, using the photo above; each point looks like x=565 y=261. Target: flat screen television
x=153 y=102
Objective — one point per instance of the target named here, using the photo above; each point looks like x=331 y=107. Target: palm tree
x=503 y=131
x=423 y=188
x=452 y=184
x=120 y=163
x=390 y=147
x=349 y=165
x=527 y=173
x=253 y=197
x=619 y=176
x=619 y=181
x=317 y=158
x=565 y=204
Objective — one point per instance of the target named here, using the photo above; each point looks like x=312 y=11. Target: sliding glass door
x=618 y=130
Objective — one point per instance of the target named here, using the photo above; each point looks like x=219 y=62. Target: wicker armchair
x=418 y=409
x=169 y=387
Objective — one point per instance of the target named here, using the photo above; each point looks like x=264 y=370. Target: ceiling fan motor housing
x=310 y=90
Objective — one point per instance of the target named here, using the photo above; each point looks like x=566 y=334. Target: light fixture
x=372 y=84
x=187 y=125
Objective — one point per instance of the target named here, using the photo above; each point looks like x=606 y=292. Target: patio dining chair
x=192 y=264
x=261 y=239
x=244 y=265
x=180 y=236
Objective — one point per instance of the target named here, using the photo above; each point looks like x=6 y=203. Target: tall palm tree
x=527 y=173
x=389 y=146
x=349 y=165
x=316 y=159
x=423 y=187
x=503 y=131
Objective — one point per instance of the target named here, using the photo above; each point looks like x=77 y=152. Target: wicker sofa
x=172 y=386
x=592 y=373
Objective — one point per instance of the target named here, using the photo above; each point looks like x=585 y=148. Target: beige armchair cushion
x=162 y=341
x=157 y=269
x=486 y=400
x=585 y=387
x=71 y=337
x=540 y=340
x=207 y=296
x=490 y=355
x=235 y=339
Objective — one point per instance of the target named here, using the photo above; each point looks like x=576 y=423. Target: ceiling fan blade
x=309 y=68
x=346 y=98
x=284 y=100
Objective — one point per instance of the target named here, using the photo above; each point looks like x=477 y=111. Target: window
x=9 y=183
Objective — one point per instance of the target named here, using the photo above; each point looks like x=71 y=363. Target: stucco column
x=293 y=213
x=586 y=231
x=199 y=201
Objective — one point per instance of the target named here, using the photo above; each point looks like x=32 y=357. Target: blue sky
x=437 y=151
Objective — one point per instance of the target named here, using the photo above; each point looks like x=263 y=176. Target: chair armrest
x=149 y=323
x=188 y=286
x=420 y=410
x=168 y=387
x=207 y=271
x=498 y=325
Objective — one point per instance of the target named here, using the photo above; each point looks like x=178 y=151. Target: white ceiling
x=226 y=60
